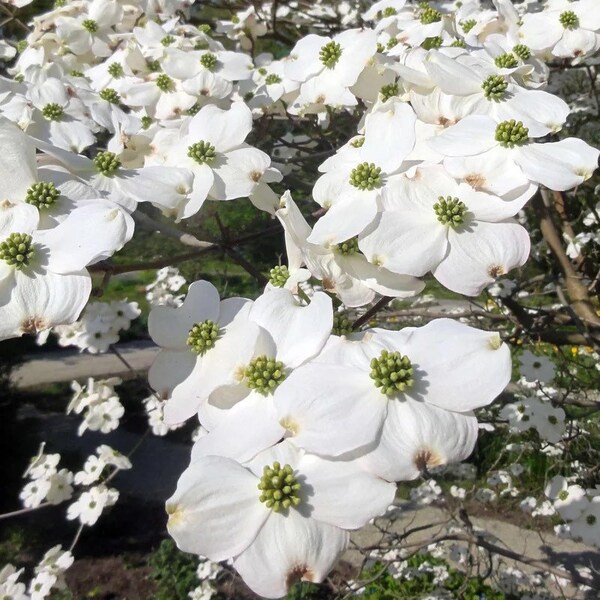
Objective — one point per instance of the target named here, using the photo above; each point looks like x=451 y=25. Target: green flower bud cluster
x=116 y=70
x=203 y=336
x=272 y=79
x=380 y=48
x=76 y=73
x=194 y=110
x=17 y=250
x=392 y=42
x=494 y=87
x=110 y=95
x=208 y=61
x=569 y=20
x=19 y=78
x=235 y=19
x=204 y=28
x=278 y=276
x=366 y=176
x=389 y=91
x=21 y=46
x=391 y=372
x=202 y=152
x=146 y=121
x=468 y=25
x=167 y=40
x=522 y=51
x=279 y=487
x=330 y=53
x=512 y=133
x=342 y=325
x=457 y=43
x=107 y=163
x=358 y=142
x=153 y=65
x=450 y=211
x=429 y=15
x=164 y=83
x=53 y=111
x=349 y=247
x=42 y=194
x=90 y=25
x=262 y=71
x=264 y=374
x=506 y=61
x=431 y=43
x=390 y=11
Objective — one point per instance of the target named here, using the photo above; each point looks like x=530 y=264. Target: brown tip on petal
x=299 y=573
x=475 y=180
x=255 y=176
x=427 y=458
x=34 y=325
x=496 y=270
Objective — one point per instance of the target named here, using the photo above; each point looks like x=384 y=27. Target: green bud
x=153 y=66
x=19 y=78
x=563 y=495
x=116 y=70
x=358 y=142
x=203 y=336
x=366 y=176
x=458 y=44
x=391 y=372
x=389 y=91
x=468 y=25
x=90 y=25
x=204 y=28
x=208 y=61
x=431 y=43
x=107 y=163
x=279 y=487
x=450 y=211
x=590 y=519
x=278 y=276
x=110 y=95
x=380 y=48
x=342 y=325
x=235 y=19
x=164 y=83
x=76 y=73
x=146 y=121
x=390 y=11
x=167 y=40
x=330 y=54
x=349 y=247
x=392 y=42
x=202 y=152
x=17 y=250
x=569 y=20
x=264 y=374
x=506 y=61
x=494 y=87
x=42 y=194
x=522 y=51
x=430 y=15
x=194 y=110
x=272 y=79
x=512 y=133
x=53 y=111
x=21 y=46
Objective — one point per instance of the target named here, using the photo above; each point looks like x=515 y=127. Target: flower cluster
x=99 y=403
x=162 y=290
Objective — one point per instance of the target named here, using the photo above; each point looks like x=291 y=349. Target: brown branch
x=371 y=312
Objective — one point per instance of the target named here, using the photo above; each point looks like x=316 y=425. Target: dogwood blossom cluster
x=297 y=413
x=99 y=404
x=115 y=111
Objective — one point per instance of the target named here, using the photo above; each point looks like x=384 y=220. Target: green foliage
x=174 y=572
x=382 y=585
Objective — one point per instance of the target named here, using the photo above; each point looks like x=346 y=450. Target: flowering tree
x=443 y=144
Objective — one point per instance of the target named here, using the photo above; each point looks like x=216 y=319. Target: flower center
x=208 y=61
x=342 y=325
x=366 y=176
x=17 y=250
x=167 y=40
x=391 y=372
x=279 y=487
x=202 y=152
x=272 y=79
x=431 y=43
x=110 y=95
x=506 y=61
x=358 y=142
x=569 y=19
x=203 y=336
x=494 y=87
x=522 y=51
x=279 y=275
x=164 y=83
x=107 y=163
x=330 y=53
x=90 y=25
x=349 y=247
x=116 y=70
x=430 y=15
x=52 y=111
x=468 y=25
x=450 y=211
x=390 y=11
x=389 y=91
x=563 y=495
x=264 y=374
x=590 y=519
x=512 y=133
x=42 y=194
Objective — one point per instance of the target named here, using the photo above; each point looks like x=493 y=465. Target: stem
x=371 y=312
